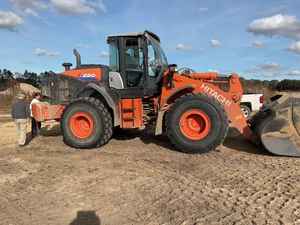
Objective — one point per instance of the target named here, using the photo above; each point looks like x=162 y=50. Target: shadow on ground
x=145 y=136
x=51 y=131
x=86 y=218
x=239 y=143
x=233 y=141
x=28 y=138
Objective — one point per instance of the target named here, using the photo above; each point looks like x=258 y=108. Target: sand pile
x=23 y=87
x=28 y=89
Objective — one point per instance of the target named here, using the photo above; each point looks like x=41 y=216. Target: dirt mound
x=23 y=87
x=28 y=89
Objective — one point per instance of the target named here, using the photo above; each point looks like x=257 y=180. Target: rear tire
x=86 y=123
x=196 y=124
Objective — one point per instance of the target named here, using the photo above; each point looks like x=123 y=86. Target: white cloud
x=104 y=54
x=30 y=7
x=215 y=43
x=203 y=9
x=258 y=44
x=32 y=4
x=269 y=67
x=9 y=20
x=295 y=47
x=78 y=6
x=31 y=12
x=98 y=4
x=183 y=47
x=213 y=71
x=40 y=52
x=53 y=54
x=294 y=73
x=45 y=52
x=277 y=25
x=266 y=70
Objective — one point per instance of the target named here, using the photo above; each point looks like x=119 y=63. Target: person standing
x=35 y=125
x=20 y=113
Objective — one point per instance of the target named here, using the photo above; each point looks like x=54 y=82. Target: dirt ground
x=138 y=179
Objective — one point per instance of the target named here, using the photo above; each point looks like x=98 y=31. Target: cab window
x=151 y=60
x=113 y=57
x=134 y=62
x=133 y=55
x=157 y=61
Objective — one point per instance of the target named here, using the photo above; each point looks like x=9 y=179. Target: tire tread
x=212 y=101
x=104 y=113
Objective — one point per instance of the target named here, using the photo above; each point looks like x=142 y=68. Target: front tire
x=196 y=124
x=86 y=123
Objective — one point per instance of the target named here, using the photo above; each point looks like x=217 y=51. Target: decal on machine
x=213 y=93
x=87 y=76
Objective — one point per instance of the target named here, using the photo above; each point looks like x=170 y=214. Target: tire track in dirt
x=132 y=182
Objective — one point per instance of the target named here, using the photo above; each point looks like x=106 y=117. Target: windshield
x=156 y=58
x=159 y=50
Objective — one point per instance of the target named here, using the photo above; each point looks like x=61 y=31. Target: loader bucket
x=277 y=126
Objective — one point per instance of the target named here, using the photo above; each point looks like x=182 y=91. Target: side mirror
x=172 y=68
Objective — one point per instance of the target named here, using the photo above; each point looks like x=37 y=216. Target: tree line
x=8 y=78
x=250 y=85
x=256 y=86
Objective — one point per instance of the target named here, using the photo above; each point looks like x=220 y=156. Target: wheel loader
x=140 y=90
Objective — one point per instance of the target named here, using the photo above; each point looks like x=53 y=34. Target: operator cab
x=136 y=63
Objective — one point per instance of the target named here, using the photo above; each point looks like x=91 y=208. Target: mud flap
x=279 y=130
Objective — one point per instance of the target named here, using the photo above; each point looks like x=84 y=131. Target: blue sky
x=257 y=39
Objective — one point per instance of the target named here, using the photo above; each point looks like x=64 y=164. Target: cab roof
x=135 y=34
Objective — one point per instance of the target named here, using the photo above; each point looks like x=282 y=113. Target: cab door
x=127 y=66
x=140 y=63
x=132 y=67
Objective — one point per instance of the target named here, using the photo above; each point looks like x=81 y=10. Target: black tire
x=246 y=111
x=102 y=123
x=218 y=121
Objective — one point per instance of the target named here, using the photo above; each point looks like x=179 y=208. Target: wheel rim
x=195 y=124
x=245 y=112
x=82 y=125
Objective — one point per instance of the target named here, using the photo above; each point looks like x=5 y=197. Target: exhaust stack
x=78 y=57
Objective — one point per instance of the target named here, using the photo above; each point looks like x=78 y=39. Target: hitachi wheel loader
x=140 y=90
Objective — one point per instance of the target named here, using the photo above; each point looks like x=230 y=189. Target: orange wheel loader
x=139 y=89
